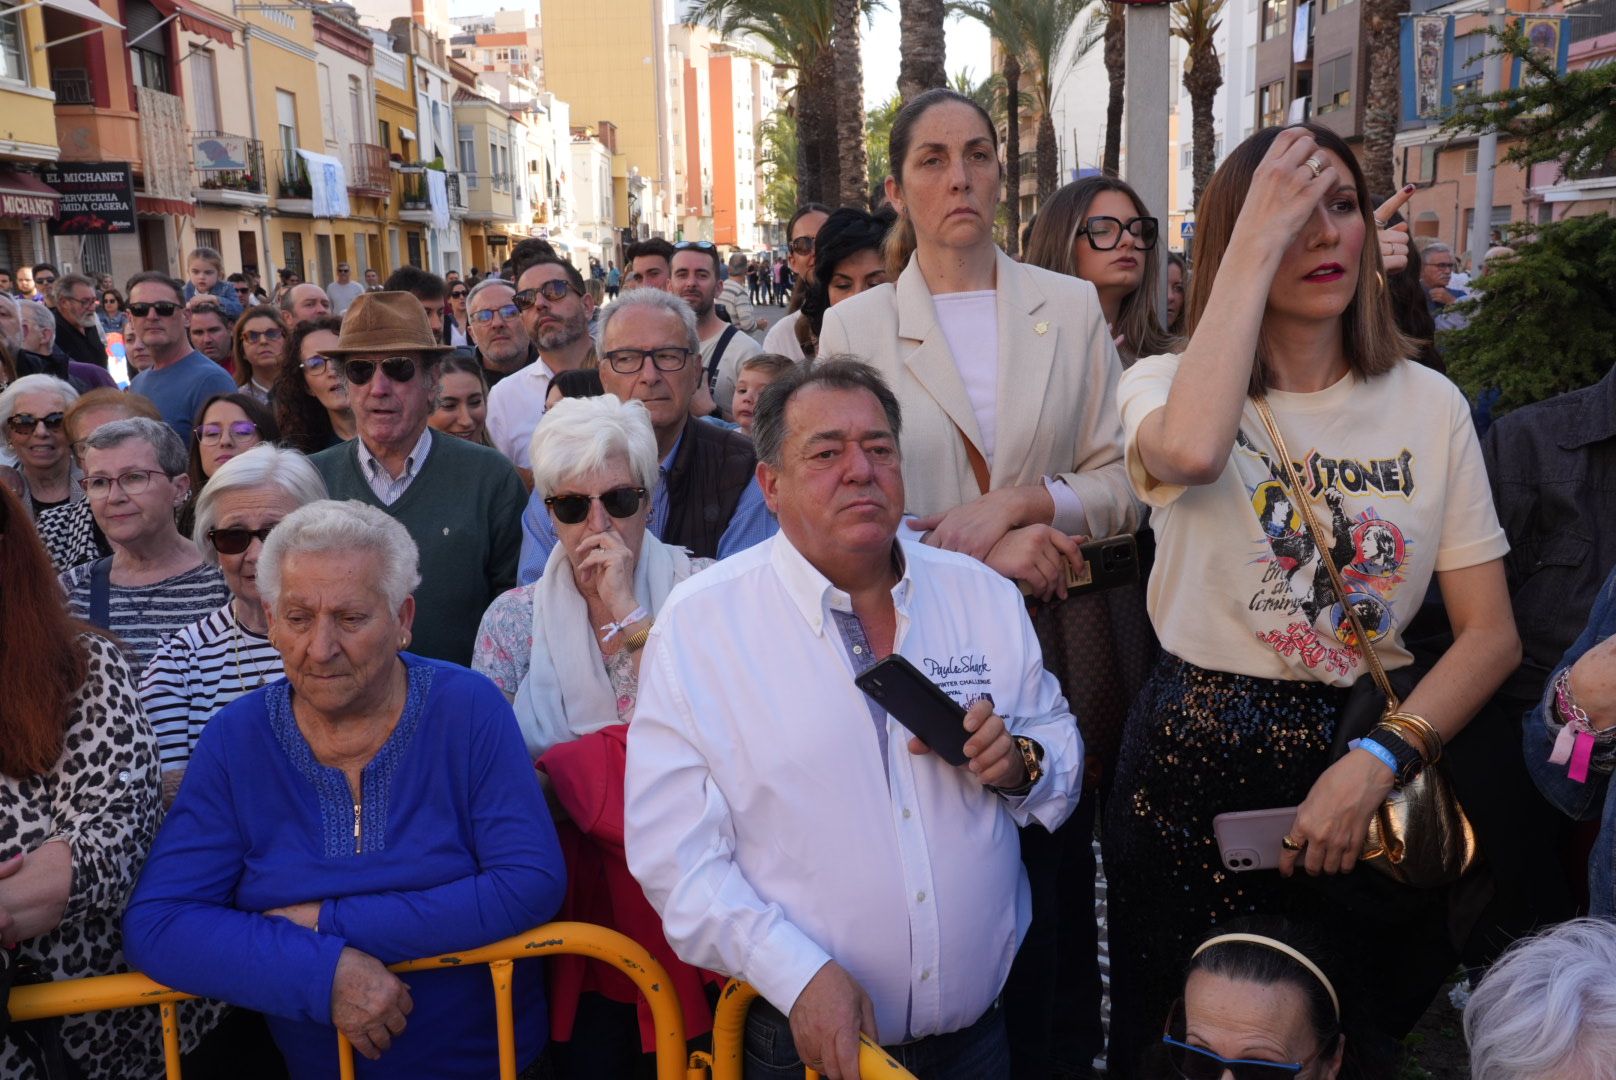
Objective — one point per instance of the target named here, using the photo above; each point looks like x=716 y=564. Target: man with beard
x=210 y=335
x=555 y=316
x=723 y=347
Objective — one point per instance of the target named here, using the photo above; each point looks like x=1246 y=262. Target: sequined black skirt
x=1198 y=743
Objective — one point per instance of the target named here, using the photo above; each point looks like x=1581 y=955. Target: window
x=286 y=121
x=1272 y=104
x=1251 y=65
x=1333 y=85
x=468 y=154
x=1275 y=18
x=1470 y=160
x=356 y=108
x=205 y=91
x=1331 y=5
x=1186 y=156
x=1419 y=163
x=328 y=119
x=1467 y=53
x=385 y=131
x=209 y=238
x=1500 y=218
x=148 y=54
x=13 y=49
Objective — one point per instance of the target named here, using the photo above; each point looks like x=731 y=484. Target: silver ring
x=1315 y=165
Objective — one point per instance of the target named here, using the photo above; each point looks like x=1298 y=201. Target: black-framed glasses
x=273 y=335
x=619 y=502
x=555 y=290
x=400 y=369
x=242 y=290
x=1105 y=233
x=163 y=308
x=234 y=541
x=504 y=311
x=134 y=482
x=238 y=429
x=802 y=245
x=317 y=363
x=457 y=294
x=630 y=361
x=39 y=280
x=24 y=423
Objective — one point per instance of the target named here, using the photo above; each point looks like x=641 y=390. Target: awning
x=150 y=204
x=193 y=20
x=23 y=195
x=84 y=9
x=406 y=134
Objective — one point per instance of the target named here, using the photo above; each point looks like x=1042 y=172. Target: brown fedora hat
x=386 y=322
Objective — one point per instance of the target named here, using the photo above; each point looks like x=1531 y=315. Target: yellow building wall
x=28 y=122
x=276 y=68
x=396 y=106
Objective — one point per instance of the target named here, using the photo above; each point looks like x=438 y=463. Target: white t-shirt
x=782 y=337
x=515 y=407
x=1395 y=476
x=741 y=346
x=970 y=324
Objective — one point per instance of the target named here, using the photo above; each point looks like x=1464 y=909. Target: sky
x=968 y=48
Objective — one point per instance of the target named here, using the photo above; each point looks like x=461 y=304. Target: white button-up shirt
x=390 y=488
x=765 y=827
x=515 y=407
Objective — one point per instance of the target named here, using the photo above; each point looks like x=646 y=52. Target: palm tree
x=1195 y=22
x=850 y=151
x=1006 y=22
x=1382 y=20
x=1048 y=25
x=920 y=29
x=1116 y=71
x=877 y=136
x=777 y=153
x=797 y=34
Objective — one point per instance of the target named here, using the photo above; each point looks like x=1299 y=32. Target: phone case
x=1250 y=839
x=1106 y=565
x=919 y=705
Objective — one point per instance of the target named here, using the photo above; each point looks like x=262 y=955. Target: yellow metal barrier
x=729 y=1031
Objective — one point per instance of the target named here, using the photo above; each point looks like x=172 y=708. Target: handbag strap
x=101 y=593
x=1299 y=497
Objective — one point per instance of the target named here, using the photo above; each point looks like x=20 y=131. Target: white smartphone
x=1251 y=839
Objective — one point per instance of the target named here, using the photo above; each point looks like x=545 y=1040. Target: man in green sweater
x=462 y=503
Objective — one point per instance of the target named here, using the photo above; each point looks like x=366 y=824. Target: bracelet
x=1380 y=752
x=1574 y=746
x=636 y=641
x=1405 y=724
x=1408 y=759
x=612 y=629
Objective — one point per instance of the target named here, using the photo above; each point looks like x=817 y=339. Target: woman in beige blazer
x=1012 y=453
x=1044 y=417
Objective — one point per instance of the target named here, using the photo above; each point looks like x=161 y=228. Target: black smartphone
x=919 y=705
x=1106 y=564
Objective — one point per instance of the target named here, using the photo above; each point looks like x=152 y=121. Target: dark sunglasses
x=555 y=291
x=1105 y=233
x=458 y=294
x=272 y=335
x=399 y=369
x=1195 y=1063
x=163 y=308
x=24 y=423
x=236 y=541
x=619 y=502
x=802 y=245
x=44 y=281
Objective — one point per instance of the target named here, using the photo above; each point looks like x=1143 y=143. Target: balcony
x=369 y=171
x=294 y=194
x=72 y=87
x=228 y=170
x=413 y=201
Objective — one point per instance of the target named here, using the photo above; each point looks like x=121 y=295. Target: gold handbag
x=1420 y=835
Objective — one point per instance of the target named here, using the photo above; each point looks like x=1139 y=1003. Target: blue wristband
x=1384 y=755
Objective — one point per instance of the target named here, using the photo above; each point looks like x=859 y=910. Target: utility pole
x=1492 y=80
x=1149 y=86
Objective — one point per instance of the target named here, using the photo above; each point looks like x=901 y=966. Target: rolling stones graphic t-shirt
x=1394 y=473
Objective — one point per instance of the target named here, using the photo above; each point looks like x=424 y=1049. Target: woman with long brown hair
x=258 y=347
x=311 y=402
x=1288 y=311
x=79 y=804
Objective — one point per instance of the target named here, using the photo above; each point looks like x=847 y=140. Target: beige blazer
x=1057 y=397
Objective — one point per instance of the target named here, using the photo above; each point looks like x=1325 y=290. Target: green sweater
x=464 y=512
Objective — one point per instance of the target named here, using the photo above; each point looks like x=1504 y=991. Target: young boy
x=205 y=267
x=755 y=373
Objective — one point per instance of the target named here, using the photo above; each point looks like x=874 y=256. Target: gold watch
x=1032 y=756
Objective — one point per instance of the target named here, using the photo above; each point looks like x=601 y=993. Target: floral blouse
x=505 y=644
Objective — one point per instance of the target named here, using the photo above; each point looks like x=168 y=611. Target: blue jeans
x=978 y=1052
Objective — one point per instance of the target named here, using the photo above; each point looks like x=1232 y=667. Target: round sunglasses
x=619 y=502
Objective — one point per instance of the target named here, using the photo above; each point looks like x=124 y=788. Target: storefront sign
x=97 y=197
x=23 y=196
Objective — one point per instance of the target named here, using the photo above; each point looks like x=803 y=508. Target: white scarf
x=566 y=693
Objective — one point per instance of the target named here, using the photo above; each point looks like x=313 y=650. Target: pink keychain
x=1575 y=743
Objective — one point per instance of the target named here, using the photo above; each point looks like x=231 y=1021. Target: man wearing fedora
x=462 y=503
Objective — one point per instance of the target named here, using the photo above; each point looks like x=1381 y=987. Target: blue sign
x=1186 y=229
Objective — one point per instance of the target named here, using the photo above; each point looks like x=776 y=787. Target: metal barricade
x=729 y=1031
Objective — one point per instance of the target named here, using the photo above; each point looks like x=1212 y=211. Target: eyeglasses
x=38 y=280
x=619 y=502
x=242 y=290
x=133 y=482
x=695 y=245
x=458 y=294
x=554 y=290
x=399 y=369
x=802 y=245
x=239 y=429
x=272 y=335
x=163 y=308
x=24 y=423
x=504 y=311
x=236 y=541
x=1105 y=233
x=630 y=361
x=1195 y=1063
x=318 y=363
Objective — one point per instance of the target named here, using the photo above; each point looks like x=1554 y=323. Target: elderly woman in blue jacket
x=1571 y=741
x=372 y=806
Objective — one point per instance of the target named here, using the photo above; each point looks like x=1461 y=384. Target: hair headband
x=1277 y=946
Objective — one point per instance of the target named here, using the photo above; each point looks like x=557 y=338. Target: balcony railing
x=371 y=174
x=72 y=87
x=291 y=174
x=225 y=162
x=412 y=191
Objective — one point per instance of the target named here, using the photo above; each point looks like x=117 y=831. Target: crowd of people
x=381 y=620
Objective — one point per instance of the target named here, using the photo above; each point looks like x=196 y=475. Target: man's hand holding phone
x=990 y=752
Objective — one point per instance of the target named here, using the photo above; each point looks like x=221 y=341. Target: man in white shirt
x=555 y=316
x=344 y=290
x=789 y=831
x=723 y=347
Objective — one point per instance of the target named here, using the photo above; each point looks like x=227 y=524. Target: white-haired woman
x=372 y=807
x=566 y=650
x=34 y=412
x=155 y=582
x=227 y=653
x=1547 y=1009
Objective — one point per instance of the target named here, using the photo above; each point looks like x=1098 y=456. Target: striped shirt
x=196 y=673
x=144 y=617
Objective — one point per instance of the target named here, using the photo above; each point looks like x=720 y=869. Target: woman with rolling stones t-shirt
x=1258 y=653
